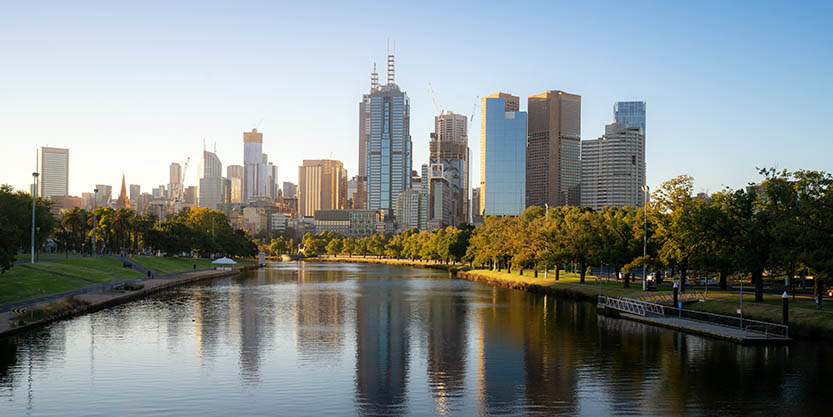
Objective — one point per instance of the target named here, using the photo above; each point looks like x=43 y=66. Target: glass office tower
x=502 y=156
x=388 y=148
x=630 y=114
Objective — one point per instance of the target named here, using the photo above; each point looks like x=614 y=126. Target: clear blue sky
x=130 y=88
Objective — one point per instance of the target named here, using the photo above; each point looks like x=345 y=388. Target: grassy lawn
x=570 y=281
x=24 y=281
x=166 y=264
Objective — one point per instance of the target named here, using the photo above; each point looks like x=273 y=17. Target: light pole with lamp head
x=645 y=188
x=95 y=222
x=34 y=202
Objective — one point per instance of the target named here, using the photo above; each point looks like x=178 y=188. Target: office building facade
x=322 y=185
x=235 y=175
x=502 y=156
x=54 y=172
x=630 y=114
x=388 y=144
x=449 y=153
x=553 y=164
x=613 y=168
x=253 y=184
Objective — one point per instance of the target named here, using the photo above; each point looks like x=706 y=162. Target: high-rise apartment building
x=553 y=165
x=135 y=191
x=388 y=144
x=322 y=185
x=449 y=153
x=253 y=185
x=630 y=114
x=235 y=174
x=502 y=156
x=613 y=168
x=54 y=172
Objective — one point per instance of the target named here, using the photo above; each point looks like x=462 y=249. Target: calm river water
x=339 y=339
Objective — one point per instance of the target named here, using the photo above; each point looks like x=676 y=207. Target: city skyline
x=679 y=74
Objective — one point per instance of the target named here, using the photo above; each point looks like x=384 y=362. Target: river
x=324 y=339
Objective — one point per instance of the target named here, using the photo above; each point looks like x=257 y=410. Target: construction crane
x=182 y=180
x=434 y=99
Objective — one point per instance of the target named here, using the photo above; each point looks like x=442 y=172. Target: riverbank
x=805 y=321
x=43 y=313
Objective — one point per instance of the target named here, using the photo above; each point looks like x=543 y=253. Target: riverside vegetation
x=777 y=228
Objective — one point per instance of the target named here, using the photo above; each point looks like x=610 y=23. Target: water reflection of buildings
x=255 y=324
x=446 y=348
x=319 y=316
x=382 y=348
x=501 y=359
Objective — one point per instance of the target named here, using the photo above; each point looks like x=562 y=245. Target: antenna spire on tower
x=391 y=78
x=374 y=79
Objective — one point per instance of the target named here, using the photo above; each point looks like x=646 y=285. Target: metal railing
x=630 y=305
x=747 y=325
x=642 y=308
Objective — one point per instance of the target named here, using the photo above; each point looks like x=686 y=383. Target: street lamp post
x=34 y=202
x=95 y=221
x=645 y=188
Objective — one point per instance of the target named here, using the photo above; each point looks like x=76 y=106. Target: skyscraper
x=630 y=114
x=175 y=173
x=253 y=163
x=502 y=156
x=54 y=172
x=212 y=187
x=388 y=153
x=613 y=168
x=553 y=166
x=235 y=174
x=449 y=151
x=322 y=185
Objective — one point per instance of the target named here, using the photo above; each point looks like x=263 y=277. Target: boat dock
x=734 y=329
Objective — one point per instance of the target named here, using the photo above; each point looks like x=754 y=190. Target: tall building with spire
x=124 y=200
x=388 y=146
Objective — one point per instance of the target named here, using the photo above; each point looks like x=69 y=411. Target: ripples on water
x=335 y=339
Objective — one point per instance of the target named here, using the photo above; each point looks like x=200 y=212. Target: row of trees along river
x=202 y=231
x=782 y=225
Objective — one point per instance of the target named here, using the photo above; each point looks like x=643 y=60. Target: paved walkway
x=107 y=297
x=731 y=333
